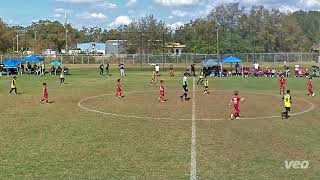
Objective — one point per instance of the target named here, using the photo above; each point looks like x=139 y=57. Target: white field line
x=193 y=172
x=312 y=107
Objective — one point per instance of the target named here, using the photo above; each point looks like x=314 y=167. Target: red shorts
x=237 y=113
x=237 y=108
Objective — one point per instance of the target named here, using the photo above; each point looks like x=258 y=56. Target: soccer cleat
x=237 y=118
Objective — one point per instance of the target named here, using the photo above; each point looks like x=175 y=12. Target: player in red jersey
x=310 y=87
x=282 y=82
x=161 y=98
x=119 y=89
x=45 y=95
x=235 y=100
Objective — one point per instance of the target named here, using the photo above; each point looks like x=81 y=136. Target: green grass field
x=136 y=137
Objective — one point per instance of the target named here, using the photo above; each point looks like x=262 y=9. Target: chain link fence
x=162 y=59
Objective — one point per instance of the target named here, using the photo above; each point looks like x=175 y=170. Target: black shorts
x=206 y=87
x=288 y=109
x=185 y=88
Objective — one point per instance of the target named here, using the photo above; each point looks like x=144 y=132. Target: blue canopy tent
x=208 y=63
x=13 y=64
x=211 y=62
x=232 y=59
x=35 y=59
x=56 y=63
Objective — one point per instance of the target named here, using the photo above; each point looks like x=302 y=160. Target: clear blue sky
x=111 y=13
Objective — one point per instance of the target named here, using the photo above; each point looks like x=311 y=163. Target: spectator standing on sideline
x=101 y=69
x=256 y=68
x=171 y=70
x=237 y=66
x=285 y=64
x=193 y=70
x=43 y=70
x=62 y=77
x=107 y=69
x=157 y=69
x=122 y=72
x=256 y=65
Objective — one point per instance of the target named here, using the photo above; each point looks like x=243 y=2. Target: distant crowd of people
x=255 y=71
x=36 y=69
x=104 y=70
x=33 y=69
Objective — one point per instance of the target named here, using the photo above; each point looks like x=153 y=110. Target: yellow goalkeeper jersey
x=13 y=84
x=287 y=100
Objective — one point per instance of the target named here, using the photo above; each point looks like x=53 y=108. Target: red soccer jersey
x=236 y=101
x=119 y=88
x=161 y=89
x=282 y=81
x=310 y=84
x=45 y=91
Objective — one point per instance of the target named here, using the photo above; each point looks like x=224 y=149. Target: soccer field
x=88 y=133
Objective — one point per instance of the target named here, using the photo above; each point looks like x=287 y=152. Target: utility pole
x=65 y=26
x=163 y=36
x=17 y=36
x=218 y=51
x=218 y=42
x=35 y=35
x=13 y=45
x=17 y=42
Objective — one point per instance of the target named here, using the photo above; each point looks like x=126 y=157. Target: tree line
x=228 y=28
